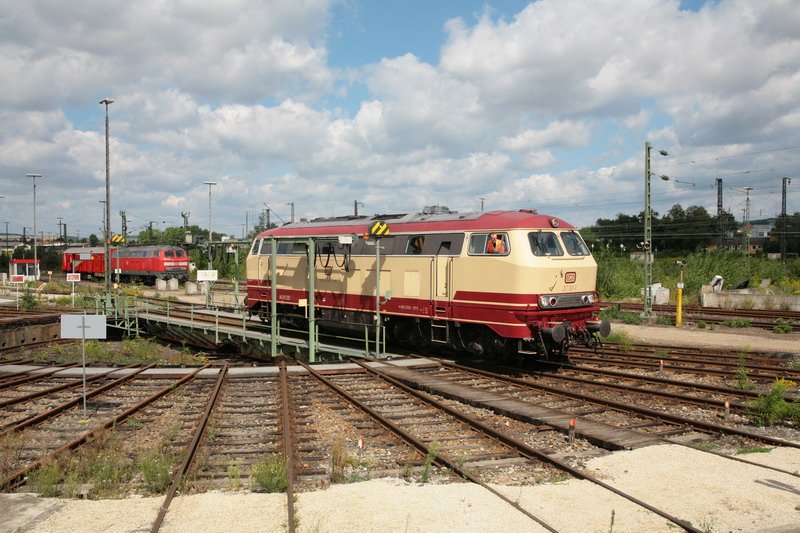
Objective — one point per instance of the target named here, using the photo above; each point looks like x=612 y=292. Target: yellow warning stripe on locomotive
x=379 y=229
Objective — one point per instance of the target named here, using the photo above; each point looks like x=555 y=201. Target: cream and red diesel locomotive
x=499 y=283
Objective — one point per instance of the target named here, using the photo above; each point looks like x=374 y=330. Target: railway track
x=246 y=408
x=759 y=318
x=701 y=361
x=436 y=415
x=615 y=404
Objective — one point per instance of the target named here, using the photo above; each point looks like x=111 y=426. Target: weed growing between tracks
x=430 y=457
x=235 y=474
x=10 y=445
x=752 y=449
x=110 y=465
x=156 y=470
x=622 y=339
x=344 y=467
x=737 y=323
x=743 y=381
x=771 y=408
x=101 y=464
x=269 y=475
x=783 y=325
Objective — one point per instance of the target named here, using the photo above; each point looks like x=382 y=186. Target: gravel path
x=736 y=339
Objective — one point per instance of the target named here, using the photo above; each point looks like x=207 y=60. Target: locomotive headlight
x=591 y=298
x=585 y=298
x=547 y=301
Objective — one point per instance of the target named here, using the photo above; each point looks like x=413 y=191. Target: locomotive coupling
x=603 y=327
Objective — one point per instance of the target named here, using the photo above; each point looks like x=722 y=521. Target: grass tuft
x=270 y=475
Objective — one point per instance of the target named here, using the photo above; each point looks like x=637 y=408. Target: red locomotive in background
x=146 y=263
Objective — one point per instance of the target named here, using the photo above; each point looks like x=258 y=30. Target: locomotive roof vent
x=436 y=210
x=388 y=216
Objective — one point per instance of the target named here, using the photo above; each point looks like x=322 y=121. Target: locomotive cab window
x=415 y=244
x=169 y=253
x=255 y=247
x=574 y=244
x=545 y=243
x=432 y=244
x=494 y=243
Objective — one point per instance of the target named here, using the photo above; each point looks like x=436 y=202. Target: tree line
x=684 y=230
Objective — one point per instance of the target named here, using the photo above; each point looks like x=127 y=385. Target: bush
x=619 y=277
x=665 y=320
x=269 y=475
x=768 y=409
x=139 y=350
x=28 y=302
x=737 y=323
x=783 y=325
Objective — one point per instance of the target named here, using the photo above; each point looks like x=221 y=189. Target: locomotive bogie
x=495 y=283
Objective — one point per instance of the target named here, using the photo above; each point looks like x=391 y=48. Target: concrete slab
x=238 y=371
x=22 y=511
x=33 y=369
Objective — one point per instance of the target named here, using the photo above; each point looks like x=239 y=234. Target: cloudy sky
x=397 y=104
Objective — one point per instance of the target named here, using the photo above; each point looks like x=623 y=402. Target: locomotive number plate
x=570 y=277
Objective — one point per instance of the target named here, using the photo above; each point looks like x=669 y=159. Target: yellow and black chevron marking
x=379 y=229
x=117 y=239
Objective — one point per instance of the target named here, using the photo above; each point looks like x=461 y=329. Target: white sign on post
x=83 y=327
x=206 y=275
x=73 y=278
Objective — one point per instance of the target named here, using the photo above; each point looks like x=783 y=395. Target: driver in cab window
x=495 y=245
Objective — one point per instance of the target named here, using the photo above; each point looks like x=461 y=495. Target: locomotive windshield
x=574 y=244
x=545 y=243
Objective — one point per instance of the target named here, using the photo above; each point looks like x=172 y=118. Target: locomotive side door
x=442 y=275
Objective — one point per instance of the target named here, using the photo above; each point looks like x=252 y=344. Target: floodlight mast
x=107 y=224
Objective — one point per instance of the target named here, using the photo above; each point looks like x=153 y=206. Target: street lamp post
x=785 y=183
x=210 y=184
x=107 y=224
x=746 y=235
x=35 y=262
x=647 y=311
x=8 y=256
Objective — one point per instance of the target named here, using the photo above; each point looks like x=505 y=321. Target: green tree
x=261 y=225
